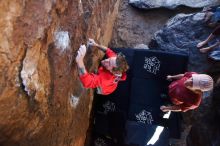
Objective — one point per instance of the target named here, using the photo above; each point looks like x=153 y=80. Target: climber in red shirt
x=186 y=92
x=111 y=71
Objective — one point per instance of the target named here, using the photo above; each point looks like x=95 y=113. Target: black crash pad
x=117 y=101
x=111 y=125
x=148 y=91
x=148 y=115
x=103 y=140
x=139 y=134
x=157 y=65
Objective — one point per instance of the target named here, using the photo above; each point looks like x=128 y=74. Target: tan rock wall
x=41 y=99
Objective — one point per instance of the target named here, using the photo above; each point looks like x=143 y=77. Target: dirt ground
x=134 y=26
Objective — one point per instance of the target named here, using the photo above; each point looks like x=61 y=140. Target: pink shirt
x=182 y=96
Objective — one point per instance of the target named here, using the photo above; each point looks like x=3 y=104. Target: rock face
x=172 y=4
x=42 y=102
x=181 y=35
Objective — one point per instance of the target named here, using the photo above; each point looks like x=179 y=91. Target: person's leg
x=210 y=37
x=207 y=49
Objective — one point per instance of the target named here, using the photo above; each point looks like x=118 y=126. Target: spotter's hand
x=164 y=108
x=169 y=78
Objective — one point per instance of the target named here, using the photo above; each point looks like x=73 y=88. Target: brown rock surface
x=42 y=102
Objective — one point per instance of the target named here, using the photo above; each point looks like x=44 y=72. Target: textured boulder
x=172 y=4
x=181 y=35
x=42 y=102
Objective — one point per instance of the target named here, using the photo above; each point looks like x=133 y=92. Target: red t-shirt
x=104 y=80
x=182 y=96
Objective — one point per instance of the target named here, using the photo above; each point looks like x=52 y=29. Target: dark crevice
x=20 y=69
x=52 y=71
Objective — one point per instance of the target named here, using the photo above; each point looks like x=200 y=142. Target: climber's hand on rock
x=80 y=55
x=91 y=42
x=82 y=50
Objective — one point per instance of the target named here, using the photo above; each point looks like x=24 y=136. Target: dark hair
x=122 y=65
